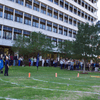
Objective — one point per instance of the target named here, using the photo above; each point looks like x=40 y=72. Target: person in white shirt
x=71 y=65
x=61 y=63
x=65 y=63
x=42 y=62
x=34 y=61
x=81 y=64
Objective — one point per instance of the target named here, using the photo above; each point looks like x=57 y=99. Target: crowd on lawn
x=70 y=64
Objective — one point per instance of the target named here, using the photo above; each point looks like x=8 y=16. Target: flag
x=37 y=62
x=1 y=64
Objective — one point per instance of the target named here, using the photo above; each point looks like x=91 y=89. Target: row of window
x=65 y=31
x=57 y=14
x=43 y=24
x=7 y=34
x=27 y=18
x=70 y=7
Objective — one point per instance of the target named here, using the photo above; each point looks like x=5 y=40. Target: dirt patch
x=83 y=73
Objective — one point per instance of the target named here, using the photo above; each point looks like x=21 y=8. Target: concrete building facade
x=57 y=19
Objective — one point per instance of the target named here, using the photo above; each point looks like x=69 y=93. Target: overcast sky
x=98 y=13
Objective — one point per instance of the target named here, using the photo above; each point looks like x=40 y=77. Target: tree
x=35 y=43
x=86 y=45
x=66 y=48
x=20 y=45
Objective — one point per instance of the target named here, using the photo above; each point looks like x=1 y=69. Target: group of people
x=70 y=64
x=10 y=60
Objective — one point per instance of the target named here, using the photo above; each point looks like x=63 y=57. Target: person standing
x=29 y=62
x=43 y=62
x=71 y=65
x=47 y=61
x=11 y=60
x=15 y=60
x=61 y=63
x=6 y=66
x=32 y=61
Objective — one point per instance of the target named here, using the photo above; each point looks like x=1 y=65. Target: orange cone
x=55 y=74
x=78 y=75
x=29 y=75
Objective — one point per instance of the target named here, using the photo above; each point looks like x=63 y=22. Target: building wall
x=34 y=17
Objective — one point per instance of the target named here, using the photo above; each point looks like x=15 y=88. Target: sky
x=98 y=13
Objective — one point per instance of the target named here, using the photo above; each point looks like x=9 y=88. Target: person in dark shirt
x=6 y=66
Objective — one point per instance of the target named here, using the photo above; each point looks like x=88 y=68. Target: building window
x=55 y=41
x=82 y=3
x=43 y=8
x=49 y=26
x=70 y=33
x=75 y=1
x=55 y=14
x=92 y=9
x=56 y=2
x=60 y=29
x=7 y=33
x=88 y=18
x=85 y=16
x=61 y=3
x=35 y=22
x=55 y=26
x=18 y=16
x=60 y=16
x=27 y=35
x=17 y=32
x=66 y=18
x=36 y=5
x=91 y=19
x=71 y=8
x=74 y=22
x=47 y=37
x=79 y=2
x=66 y=5
x=8 y=14
x=75 y=10
x=49 y=11
x=42 y=24
x=79 y=12
x=78 y=22
x=28 y=3
x=11 y=0
x=82 y=14
x=0 y=30
x=27 y=19
x=51 y=0
x=86 y=5
x=74 y=34
x=21 y=2
x=70 y=20
x=1 y=10
x=65 y=31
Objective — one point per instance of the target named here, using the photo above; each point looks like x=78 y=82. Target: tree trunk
x=84 y=66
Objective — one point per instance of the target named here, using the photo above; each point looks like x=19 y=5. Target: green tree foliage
x=66 y=48
x=35 y=43
x=87 y=42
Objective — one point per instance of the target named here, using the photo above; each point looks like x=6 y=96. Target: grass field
x=43 y=85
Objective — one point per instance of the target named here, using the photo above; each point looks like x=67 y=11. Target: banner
x=1 y=64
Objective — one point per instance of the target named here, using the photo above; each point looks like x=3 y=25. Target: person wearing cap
x=6 y=66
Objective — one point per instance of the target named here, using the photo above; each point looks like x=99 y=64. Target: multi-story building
x=58 y=19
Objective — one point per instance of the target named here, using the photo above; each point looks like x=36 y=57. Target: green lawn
x=43 y=85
